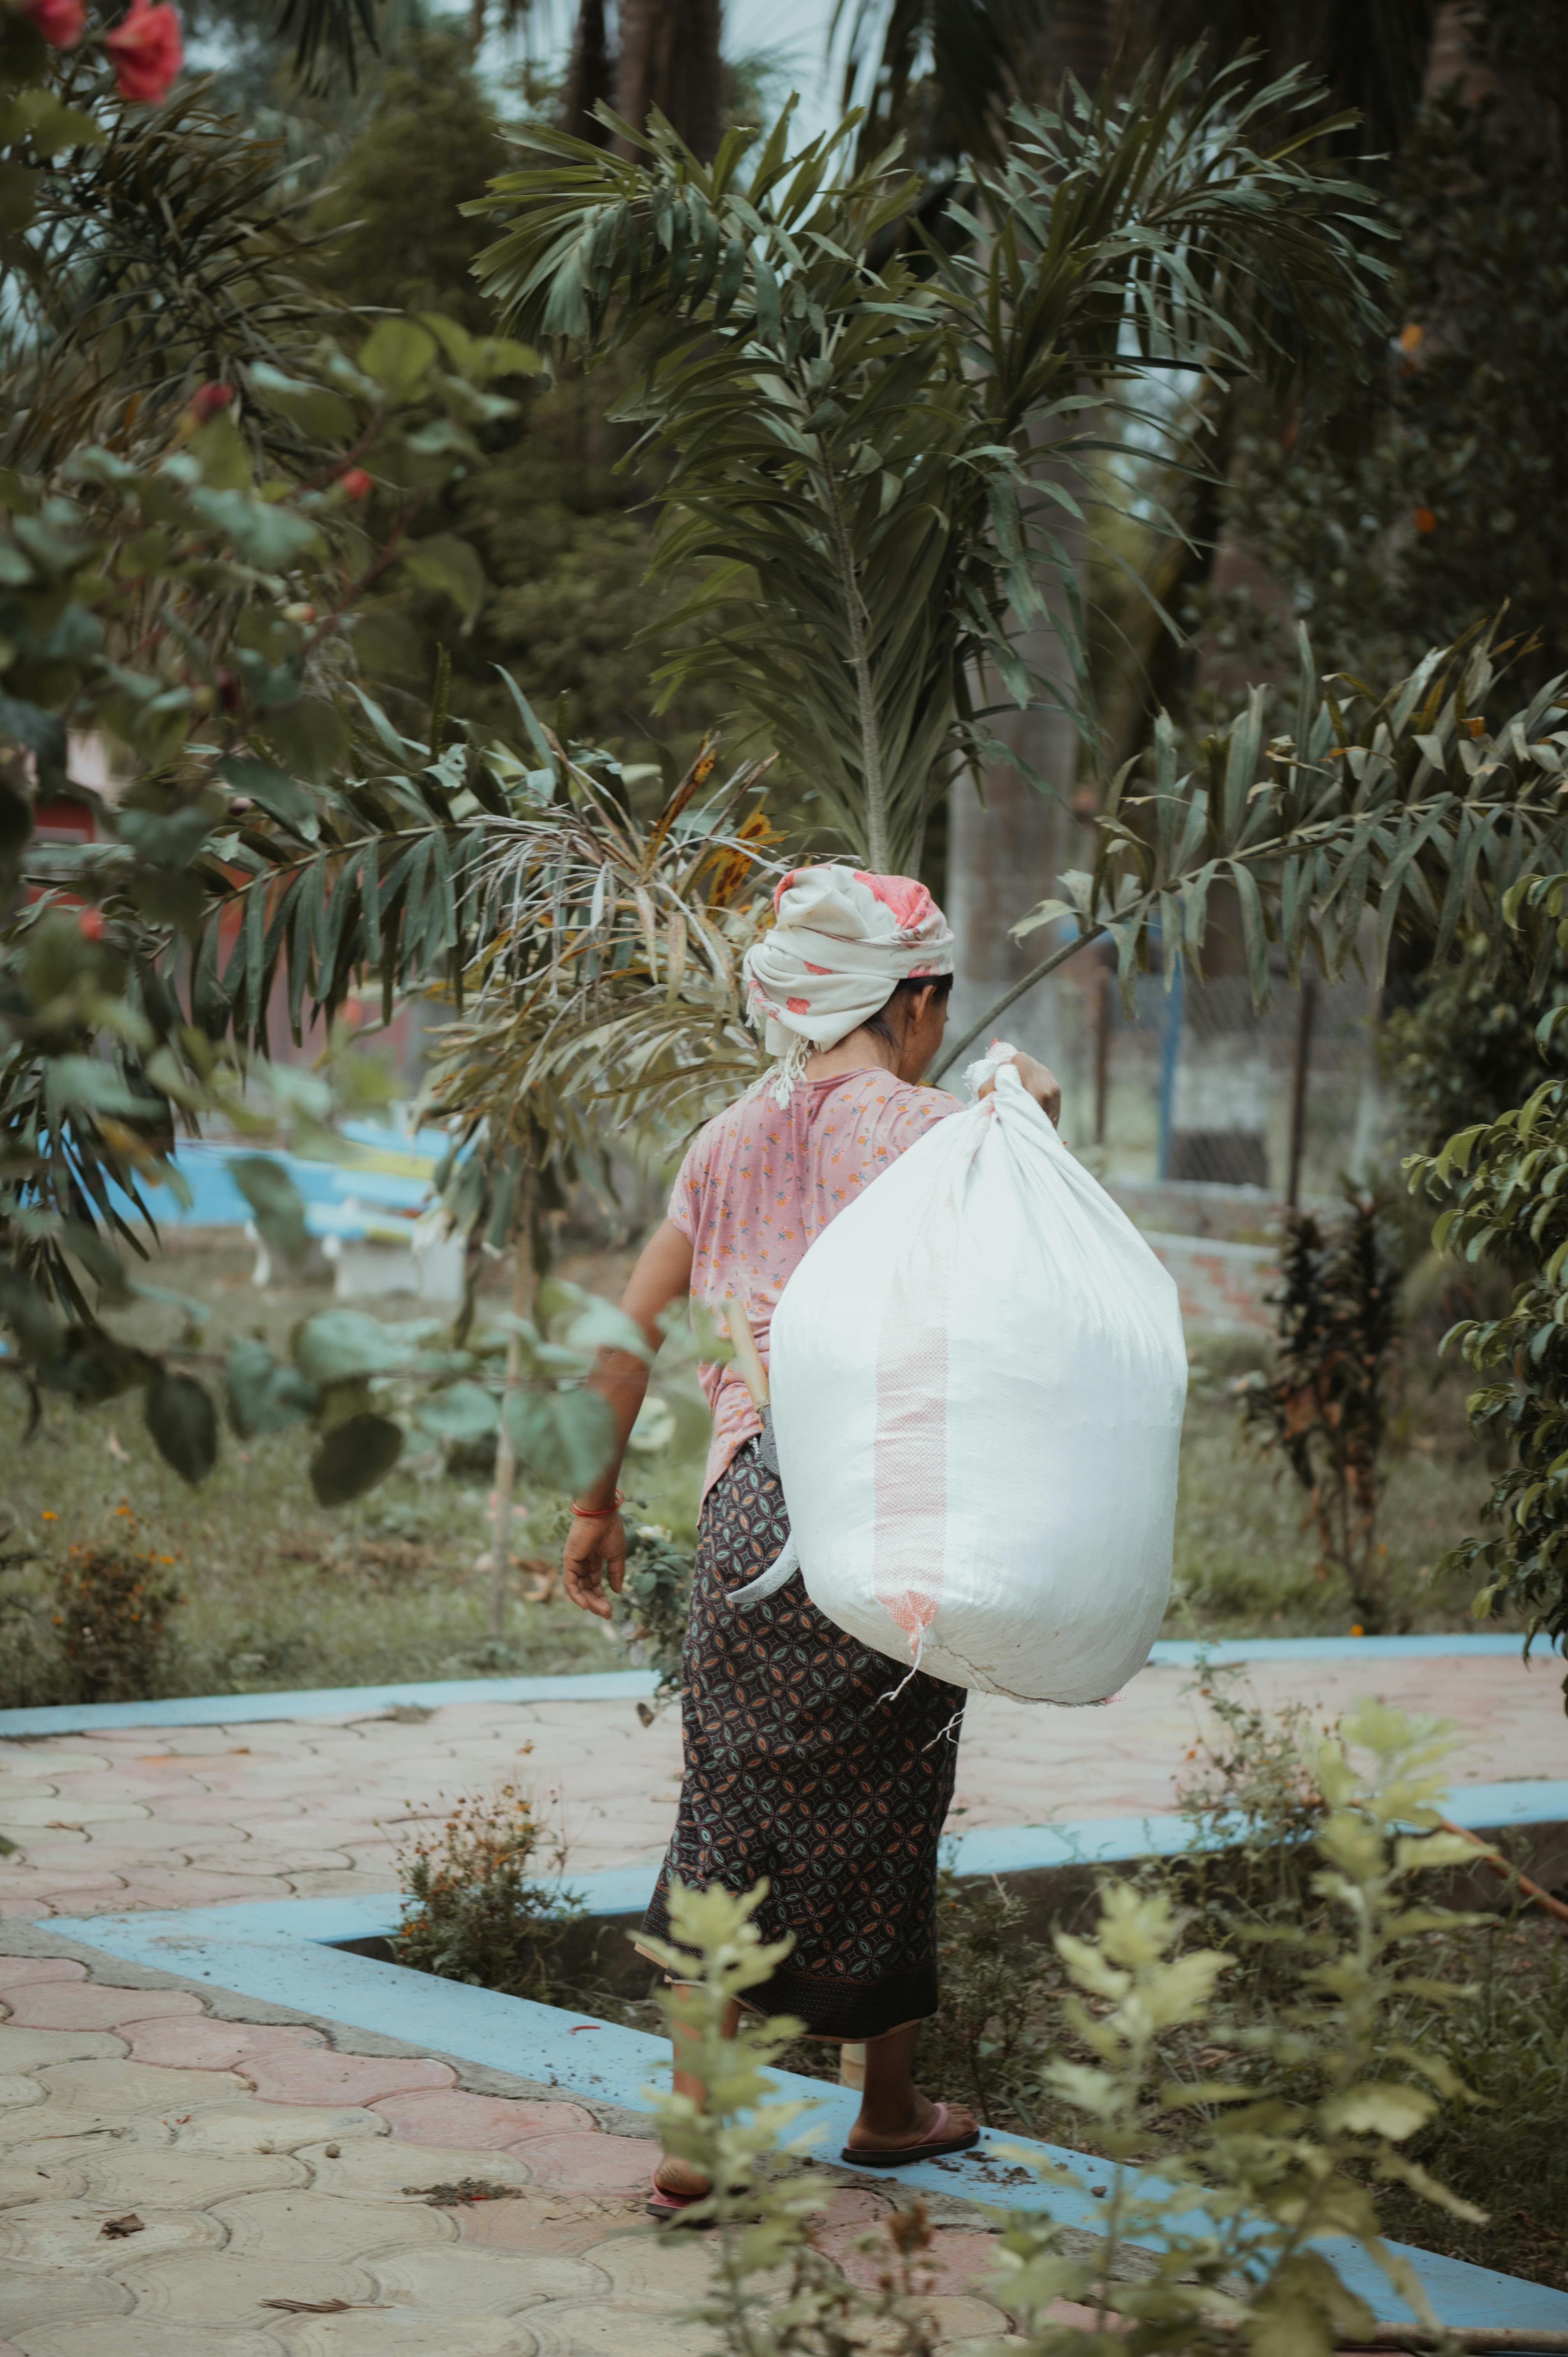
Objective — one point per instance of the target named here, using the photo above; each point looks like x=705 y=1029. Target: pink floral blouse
x=760 y=1182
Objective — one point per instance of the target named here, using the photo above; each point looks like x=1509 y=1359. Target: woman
x=808 y=1760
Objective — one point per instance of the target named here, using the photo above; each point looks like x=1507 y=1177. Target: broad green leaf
x=602 y=1326
x=1386 y=2109
x=82 y=1083
x=325 y=416
x=339 y=1346
x=170 y=839
x=397 y=353
x=463 y=1411
x=265 y=782
x=40 y=1331
x=446 y=563
x=353 y=1457
x=566 y=1437
x=264 y=1394
x=277 y=1201
x=92 y=1366
x=310 y=736
x=268 y=535
x=222 y=453
x=183 y=1423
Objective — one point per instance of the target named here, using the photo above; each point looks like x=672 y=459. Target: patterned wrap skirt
x=804 y=1765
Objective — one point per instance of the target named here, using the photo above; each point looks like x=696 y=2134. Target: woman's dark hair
x=878 y=1024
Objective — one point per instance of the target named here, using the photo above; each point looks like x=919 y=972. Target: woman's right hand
x=595 y=1553
x=1038 y=1079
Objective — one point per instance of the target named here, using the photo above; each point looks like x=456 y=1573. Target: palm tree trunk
x=670 y=59
x=1005 y=854
x=590 y=77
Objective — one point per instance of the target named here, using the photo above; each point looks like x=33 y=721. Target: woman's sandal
x=672 y=2206
x=931 y=2147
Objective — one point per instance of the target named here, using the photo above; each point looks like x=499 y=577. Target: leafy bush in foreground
x=1235 y=2224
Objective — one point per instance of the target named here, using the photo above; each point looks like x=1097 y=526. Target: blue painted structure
x=607 y=1685
x=1170 y=1057
x=280 y=1950
x=245 y=1949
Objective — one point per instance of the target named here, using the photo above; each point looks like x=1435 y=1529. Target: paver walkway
x=169 y=2178
x=251 y=2157
x=310 y=1808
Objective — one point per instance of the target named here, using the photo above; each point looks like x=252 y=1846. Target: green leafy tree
x=1236 y=2232
x=850 y=434
x=549 y=507
x=1394 y=519
x=1408 y=805
x=1469 y=1047
x=1504 y=1186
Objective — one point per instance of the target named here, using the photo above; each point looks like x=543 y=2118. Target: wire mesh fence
x=1194 y=1087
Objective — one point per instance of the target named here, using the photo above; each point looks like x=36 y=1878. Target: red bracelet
x=598 y=1513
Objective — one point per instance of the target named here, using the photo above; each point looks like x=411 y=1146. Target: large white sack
x=978 y=1375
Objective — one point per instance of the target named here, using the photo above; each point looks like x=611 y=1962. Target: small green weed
x=474 y=1909
x=650 y=1613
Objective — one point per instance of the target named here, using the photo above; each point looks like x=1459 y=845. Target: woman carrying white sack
x=808 y=1761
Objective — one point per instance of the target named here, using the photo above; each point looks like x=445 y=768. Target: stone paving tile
x=224 y=2287
x=17 y=1972
x=587 y=2163
x=317 y=1808
x=214 y=2045
x=376 y=2170
x=131 y=2336
x=78 y=2005
x=252 y=2127
x=462 y=2280
x=318 y=2075
x=71 y=2235
x=536 y=2219
x=27 y=2049
x=171 y=2177
x=482 y=2123
x=248 y=2195
x=410 y=2334
x=31 y=2297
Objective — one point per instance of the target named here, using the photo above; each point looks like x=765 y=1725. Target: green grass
x=279 y=1594
x=1246 y=1555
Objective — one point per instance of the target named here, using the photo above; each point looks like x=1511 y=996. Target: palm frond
x=329 y=34
x=592 y=957
x=168 y=256
x=849 y=438
x=1406 y=805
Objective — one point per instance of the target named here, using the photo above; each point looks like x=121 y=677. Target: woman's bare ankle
x=892 y=2122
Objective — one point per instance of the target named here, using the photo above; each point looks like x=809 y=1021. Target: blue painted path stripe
x=324 y=1702
x=633 y=1685
x=601 y=2061
x=992 y=1849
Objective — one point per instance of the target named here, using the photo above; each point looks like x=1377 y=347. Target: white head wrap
x=842 y=941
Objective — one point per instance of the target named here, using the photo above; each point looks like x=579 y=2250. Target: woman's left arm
x=595 y=1544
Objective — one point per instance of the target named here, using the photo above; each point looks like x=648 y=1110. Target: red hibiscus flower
x=147 y=51
x=61 y=22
